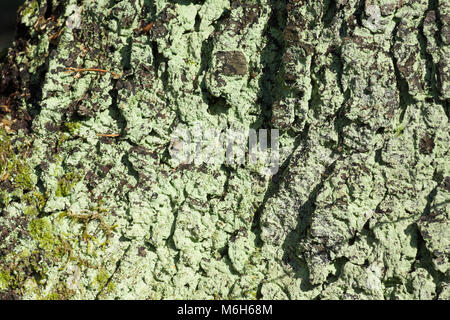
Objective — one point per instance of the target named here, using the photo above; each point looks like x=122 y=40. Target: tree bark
x=99 y=201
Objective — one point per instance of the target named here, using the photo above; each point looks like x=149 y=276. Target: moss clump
x=103 y=282
x=399 y=130
x=97 y=214
x=61 y=292
x=5 y=151
x=5 y=278
x=72 y=127
x=5 y=198
x=30 y=10
x=35 y=201
x=12 y=165
x=54 y=246
x=61 y=139
x=41 y=230
x=101 y=278
x=20 y=268
x=22 y=177
x=66 y=183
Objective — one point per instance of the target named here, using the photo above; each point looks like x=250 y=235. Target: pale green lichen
x=358 y=210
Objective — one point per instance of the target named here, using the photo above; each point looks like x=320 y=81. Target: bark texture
x=94 y=205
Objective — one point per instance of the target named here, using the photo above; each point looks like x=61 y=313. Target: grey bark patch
x=233 y=63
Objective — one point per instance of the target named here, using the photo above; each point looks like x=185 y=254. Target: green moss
x=66 y=183
x=41 y=230
x=97 y=214
x=5 y=151
x=5 y=198
x=102 y=281
x=61 y=292
x=12 y=166
x=399 y=130
x=52 y=296
x=31 y=211
x=30 y=9
x=5 y=279
x=20 y=268
x=250 y=294
x=36 y=202
x=62 y=138
x=101 y=278
x=54 y=246
x=22 y=178
x=72 y=127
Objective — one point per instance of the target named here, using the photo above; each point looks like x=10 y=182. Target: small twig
x=6 y=124
x=146 y=28
x=56 y=35
x=70 y=69
x=5 y=107
x=4 y=161
x=108 y=135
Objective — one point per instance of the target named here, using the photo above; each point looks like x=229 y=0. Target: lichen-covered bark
x=94 y=206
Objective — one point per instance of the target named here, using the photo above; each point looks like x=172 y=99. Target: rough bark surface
x=94 y=206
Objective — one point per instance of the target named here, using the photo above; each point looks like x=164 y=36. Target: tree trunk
x=116 y=176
